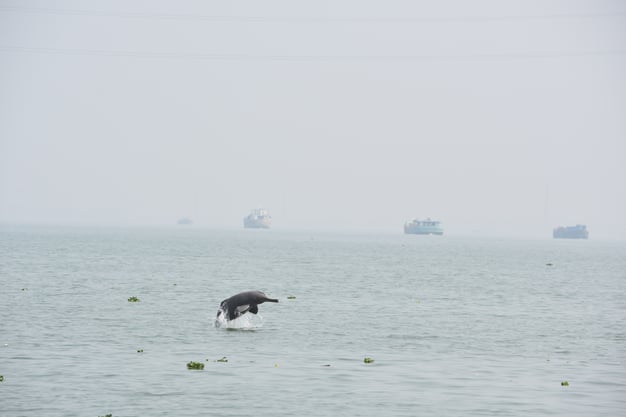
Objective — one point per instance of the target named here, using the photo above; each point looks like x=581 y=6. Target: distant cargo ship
x=571 y=232
x=423 y=227
x=258 y=219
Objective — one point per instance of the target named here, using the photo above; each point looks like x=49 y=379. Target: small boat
x=423 y=227
x=258 y=219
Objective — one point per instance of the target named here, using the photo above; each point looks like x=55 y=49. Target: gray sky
x=496 y=117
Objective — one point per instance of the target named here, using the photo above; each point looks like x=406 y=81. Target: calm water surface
x=456 y=326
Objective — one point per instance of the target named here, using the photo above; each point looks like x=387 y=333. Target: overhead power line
x=296 y=58
x=304 y=19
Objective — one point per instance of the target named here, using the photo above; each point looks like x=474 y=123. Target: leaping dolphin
x=238 y=304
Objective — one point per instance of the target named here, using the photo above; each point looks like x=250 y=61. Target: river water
x=455 y=326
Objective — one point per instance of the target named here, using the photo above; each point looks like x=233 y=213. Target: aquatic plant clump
x=291 y=297
x=1 y=378
x=195 y=365
x=565 y=384
x=222 y=360
x=133 y=299
x=368 y=360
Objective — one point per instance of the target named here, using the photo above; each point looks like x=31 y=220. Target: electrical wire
x=305 y=58
x=303 y=19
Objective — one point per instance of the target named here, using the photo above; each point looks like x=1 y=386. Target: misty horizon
x=496 y=119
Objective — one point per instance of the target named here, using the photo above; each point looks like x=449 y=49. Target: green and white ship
x=423 y=227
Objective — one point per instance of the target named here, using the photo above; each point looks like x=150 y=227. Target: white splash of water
x=246 y=321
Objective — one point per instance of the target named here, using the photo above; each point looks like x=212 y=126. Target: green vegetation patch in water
x=195 y=365
x=133 y=299
x=565 y=384
x=222 y=360
x=368 y=360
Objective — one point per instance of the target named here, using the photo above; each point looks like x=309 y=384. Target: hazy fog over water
x=498 y=118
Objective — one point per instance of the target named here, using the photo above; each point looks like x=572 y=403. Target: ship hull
x=418 y=230
x=565 y=233
x=256 y=224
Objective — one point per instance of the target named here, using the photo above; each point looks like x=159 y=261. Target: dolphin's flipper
x=254 y=308
x=243 y=309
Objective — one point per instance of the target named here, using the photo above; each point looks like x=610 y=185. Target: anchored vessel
x=423 y=227
x=258 y=219
x=571 y=232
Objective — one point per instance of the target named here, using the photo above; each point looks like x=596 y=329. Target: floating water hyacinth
x=107 y=415
x=139 y=350
x=133 y=299
x=1 y=378
x=291 y=297
x=368 y=360
x=565 y=384
x=222 y=360
x=195 y=365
